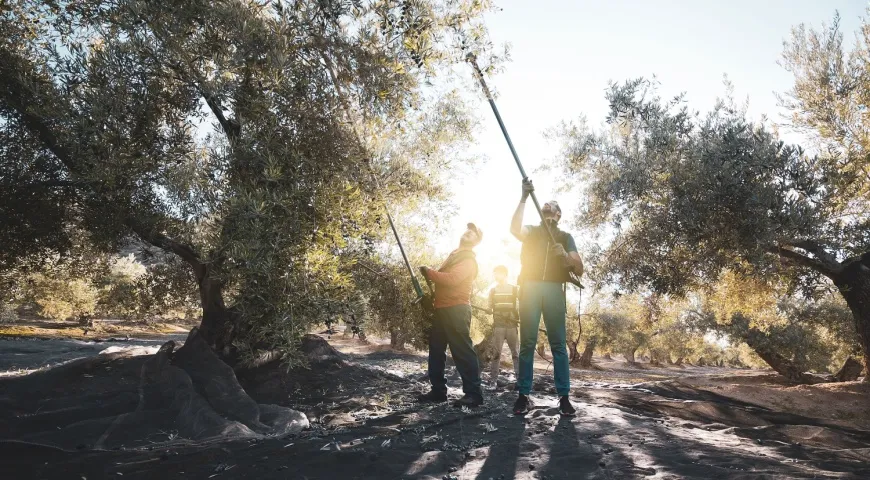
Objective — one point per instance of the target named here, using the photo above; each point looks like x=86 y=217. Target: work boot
x=565 y=407
x=469 y=401
x=432 y=397
x=522 y=405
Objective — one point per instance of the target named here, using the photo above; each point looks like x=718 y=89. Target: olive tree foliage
x=233 y=134
x=57 y=287
x=829 y=100
x=8 y=314
x=88 y=282
x=60 y=297
x=791 y=334
x=620 y=324
x=671 y=339
x=389 y=302
x=830 y=331
x=689 y=196
x=599 y=333
x=154 y=291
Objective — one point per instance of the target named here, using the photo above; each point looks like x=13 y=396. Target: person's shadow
x=559 y=454
x=566 y=457
x=503 y=454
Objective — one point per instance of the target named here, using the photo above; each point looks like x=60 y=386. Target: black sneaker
x=469 y=401
x=565 y=407
x=432 y=397
x=522 y=405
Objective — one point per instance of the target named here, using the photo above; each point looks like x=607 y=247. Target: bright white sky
x=565 y=52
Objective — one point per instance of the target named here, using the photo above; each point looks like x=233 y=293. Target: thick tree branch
x=230 y=126
x=19 y=96
x=817 y=250
x=17 y=85
x=864 y=259
x=160 y=240
x=806 y=261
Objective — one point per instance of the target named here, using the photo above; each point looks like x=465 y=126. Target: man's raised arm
x=517 y=228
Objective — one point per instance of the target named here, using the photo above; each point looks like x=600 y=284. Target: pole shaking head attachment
x=472 y=60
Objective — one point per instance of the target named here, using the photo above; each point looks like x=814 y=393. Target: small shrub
x=7 y=314
x=63 y=298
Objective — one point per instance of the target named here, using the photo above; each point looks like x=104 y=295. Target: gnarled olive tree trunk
x=852 y=279
x=220 y=324
x=485 y=350
x=850 y=371
x=629 y=355
x=853 y=283
x=757 y=342
x=585 y=359
x=397 y=339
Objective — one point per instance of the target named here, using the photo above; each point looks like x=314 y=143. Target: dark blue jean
x=451 y=327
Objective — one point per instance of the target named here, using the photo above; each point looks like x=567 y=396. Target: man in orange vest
x=452 y=323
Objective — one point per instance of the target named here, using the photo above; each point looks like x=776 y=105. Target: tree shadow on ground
x=360 y=433
x=644 y=440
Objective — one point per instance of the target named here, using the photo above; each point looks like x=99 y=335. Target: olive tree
x=792 y=335
x=233 y=134
x=689 y=196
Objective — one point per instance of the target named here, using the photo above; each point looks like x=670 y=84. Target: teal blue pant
x=545 y=298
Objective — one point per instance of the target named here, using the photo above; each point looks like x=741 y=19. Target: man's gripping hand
x=558 y=250
x=528 y=188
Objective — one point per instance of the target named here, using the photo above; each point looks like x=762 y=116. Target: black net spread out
x=124 y=400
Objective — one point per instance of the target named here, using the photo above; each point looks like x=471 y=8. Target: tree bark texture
x=854 y=285
x=850 y=371
x=485 y=351
x=757 y=342
x=585 y=360
x=397 y=341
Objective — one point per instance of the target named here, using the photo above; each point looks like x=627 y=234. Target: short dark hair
x=500 y=268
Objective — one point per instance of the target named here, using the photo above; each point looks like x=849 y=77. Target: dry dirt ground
x=632 y=422
x=102 y=329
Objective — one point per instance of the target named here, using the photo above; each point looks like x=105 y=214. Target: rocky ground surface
x=632 y=422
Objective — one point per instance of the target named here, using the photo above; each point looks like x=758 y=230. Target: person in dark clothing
x=545 y=269
x=452 y=322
